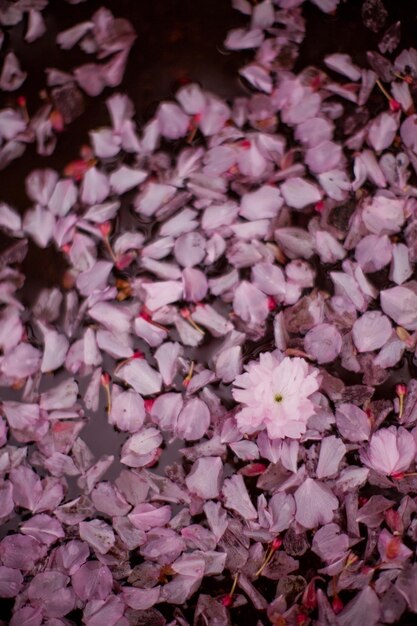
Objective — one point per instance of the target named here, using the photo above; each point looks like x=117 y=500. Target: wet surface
x=177 y=41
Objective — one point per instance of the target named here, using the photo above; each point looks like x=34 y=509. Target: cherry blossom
x=276 y=395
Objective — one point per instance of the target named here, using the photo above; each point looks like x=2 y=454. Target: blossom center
x=278 y=397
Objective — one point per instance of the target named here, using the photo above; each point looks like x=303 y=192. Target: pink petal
x=141 y=376
x=128 y=411
x=353 y=423
x=98 y=535
x=92 y=581
x=12 y=77
x=95 y=187
x=371 y=331
x=193 y=420
x=400 y=304
x=236 y=497
x=173 y=122
x=332 y=451
x=240 y=39
x=250 y=304
x=315 y=504
x=142 y=448
x=265 y=202
x=205 y=476
x=10 y=582
x=323 y=343
x=36 y=26
x=146 y=516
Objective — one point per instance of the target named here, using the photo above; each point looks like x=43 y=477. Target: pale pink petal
x=140 y=599
x=63 y=198
x=36 y=26
x=141 y=376
x=401 y=269
x=146 y=516
x=189 y=249
x=298 y=193
x=205 y=477
x=295 y=242
x=68 y=38
x=236 y=497
x=258 y=77
x=9 y=219
x=90 y=78
x=384 y=215
x=195 y=284
x=213 y=116
x=12 y=76
x=142 y=448
x=314 y=131
x=323 y=343
x=39 y=224
x=382 y=131
x=366 y=602
x=193 y=420
x=126 y=178
x=108 y=499
x=106 y=143
x=371 y=331
x=10 y=582
x=127 y=411
x=108 y=611
x=97 y=534
x=240 y=39
x=332 y=451
x=167 y=359
x=44 y=528
x=153 y=197
x=390 y=451
x=55 y=350
x=336 y=184
x=205 y=315
x=160 y=293
x=323 y=157
x=315 y=504
x=353 y=423
x=191 y=98
x=343 y=64
x=400 y=303
x=328 y=248
x=250 y=304
x=95 y=187
x=373 y=252
x=11 y=123
x=111 y=316
x=173 y=122
x=95 y=278
x=23 y=361
x=265 y=202
x=92 y=581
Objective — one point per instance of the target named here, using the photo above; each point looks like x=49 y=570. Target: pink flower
x=390 y=451
x=276 y=396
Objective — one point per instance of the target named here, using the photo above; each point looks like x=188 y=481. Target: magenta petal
x=92 y=581
x=10 y=582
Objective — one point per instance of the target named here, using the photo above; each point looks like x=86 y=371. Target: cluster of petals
x=226 y=303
